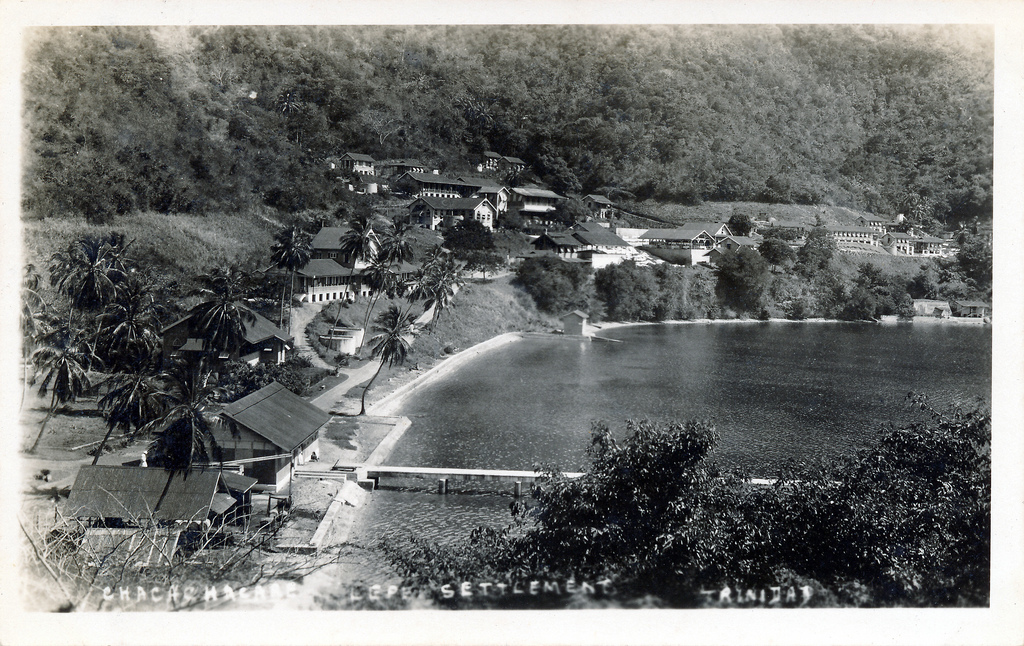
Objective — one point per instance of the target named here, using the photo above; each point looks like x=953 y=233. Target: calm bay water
x=774 y=390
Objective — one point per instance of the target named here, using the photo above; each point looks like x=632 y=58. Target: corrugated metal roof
x=117 y=547
x=454 y=203
x=358 y=157
x=597 y=235
x=133 y=492
x=325 y=267
x=329 y=238
x=221 y=503
x=277 y=414
x=683 y=233
x=430 y=178
x=537 y=192
x=600 y=199
x=848 y=229
x=257 y=330
x=236 y=481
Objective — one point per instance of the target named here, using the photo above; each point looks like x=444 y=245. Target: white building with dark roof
x=269 y=433
x=356 y=163
x=435 y=212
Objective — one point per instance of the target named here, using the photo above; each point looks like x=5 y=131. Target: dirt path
x=302 y=315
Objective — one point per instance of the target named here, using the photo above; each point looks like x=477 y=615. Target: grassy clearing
x=481 y=310
x=175 y=247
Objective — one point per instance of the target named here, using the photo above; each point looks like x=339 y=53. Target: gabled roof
x=971 y=304
x=236 y=482
x=682 y=233
x=490 y=154
x=370 y=179
x=930 y=239
x=597 y=235
x=325 y=267
x=576 y=313
x=482 y=183
x=600 y=199
x=514 y=160
x=560 y=239
x=277 y=414
x=899 y=236
x=743 y=241
x=358 y=157
x=133 y=492
x=258 y=330
x=431 y=178
x=537 y=192
x=453 y=203
x=329 y=238
x=872 y=218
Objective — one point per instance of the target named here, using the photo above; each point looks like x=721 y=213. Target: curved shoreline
x=388 y=405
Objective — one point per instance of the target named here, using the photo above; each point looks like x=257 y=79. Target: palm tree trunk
x=291 y=299
x=103 y=443
x=362 y=407
x=42 y=427
x=163 y=494
x=280 y=316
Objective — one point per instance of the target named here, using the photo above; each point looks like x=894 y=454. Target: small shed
x=269 y=433
x=575 y=322
x=929 y=307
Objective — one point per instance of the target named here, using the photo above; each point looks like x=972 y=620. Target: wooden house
x=264 y=342
x=874 y=222
x=600 y=206
x=432 y=185
x=533 y=202
x=269 y=433
x=971 y=309
x=435 y=212
x=324 y=279
x=356 y=164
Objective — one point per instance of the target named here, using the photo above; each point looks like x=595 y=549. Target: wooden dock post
x=442 y=486
x=519 y=488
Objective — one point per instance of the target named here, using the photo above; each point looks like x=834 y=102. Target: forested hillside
x=232 y=119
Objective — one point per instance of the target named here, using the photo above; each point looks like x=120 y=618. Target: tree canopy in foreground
x=654 y=522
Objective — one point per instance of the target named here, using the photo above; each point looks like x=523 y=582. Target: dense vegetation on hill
x=223 y=119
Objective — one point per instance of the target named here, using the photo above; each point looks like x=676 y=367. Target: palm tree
x=133 y=401
x=395 y=246
x=382 y=280
x=129 y=327
x=88 y=271
x=185 y=425
x=359 y=243
x=222 y=319
x=32 y=319
x=437 y=282
x=64 y=358
x=392 y=343
x=292 y=249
